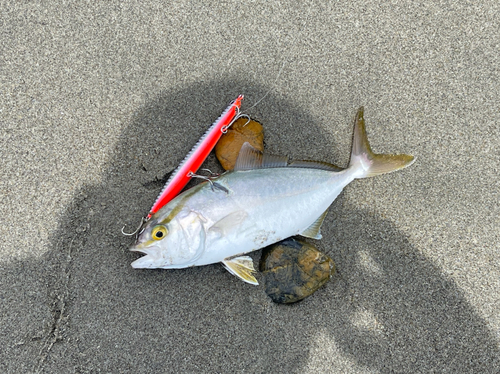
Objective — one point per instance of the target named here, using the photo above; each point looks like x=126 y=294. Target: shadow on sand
x=388 y=309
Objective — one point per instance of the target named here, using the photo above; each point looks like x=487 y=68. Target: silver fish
x=263 y=200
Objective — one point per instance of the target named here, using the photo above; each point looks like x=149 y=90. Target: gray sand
x=99 y=101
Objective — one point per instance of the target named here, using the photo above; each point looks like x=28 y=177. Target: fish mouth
x=139 y=248
x=152 y=258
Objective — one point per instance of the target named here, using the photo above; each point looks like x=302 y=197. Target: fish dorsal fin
x=274 y=161
x=314 y=165
x=313 y=231
x=242 y=267
x=250 y=158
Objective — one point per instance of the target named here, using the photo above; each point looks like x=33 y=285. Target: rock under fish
x=294 y=269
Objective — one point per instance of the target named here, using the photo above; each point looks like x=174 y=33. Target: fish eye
x=159 y=232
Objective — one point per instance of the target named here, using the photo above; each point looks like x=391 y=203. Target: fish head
x=170 y=240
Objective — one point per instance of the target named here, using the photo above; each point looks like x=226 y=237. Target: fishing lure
x=193 y=160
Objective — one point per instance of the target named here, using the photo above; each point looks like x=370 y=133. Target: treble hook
x=193 y=175
x=246 y=116
x=236 y=117
x=213 y=175
x=137 y=231
x=213 y=185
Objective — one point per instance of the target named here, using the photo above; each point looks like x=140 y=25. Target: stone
x=229 y=145
x=294 y=269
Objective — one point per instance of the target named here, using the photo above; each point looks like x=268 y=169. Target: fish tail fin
x=369 y=163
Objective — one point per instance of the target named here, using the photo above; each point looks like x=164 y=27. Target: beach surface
x=99 y=101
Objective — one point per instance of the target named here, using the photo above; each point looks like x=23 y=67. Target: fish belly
x=264 y=206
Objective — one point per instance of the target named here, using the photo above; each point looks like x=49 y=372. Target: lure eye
x=159 y=232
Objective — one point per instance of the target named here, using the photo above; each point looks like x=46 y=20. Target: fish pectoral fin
x=224 y=225
x=250 y=158
x=314 y=231
x=242 y=267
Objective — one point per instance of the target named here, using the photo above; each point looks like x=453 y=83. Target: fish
x=263 y=200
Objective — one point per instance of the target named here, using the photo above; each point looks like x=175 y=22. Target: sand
x=99 y=101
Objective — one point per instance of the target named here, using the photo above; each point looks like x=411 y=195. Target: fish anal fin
x=250 y=158
x=242 y=267
x=313 y=231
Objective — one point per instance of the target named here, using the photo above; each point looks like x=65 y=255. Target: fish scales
x=277 y=203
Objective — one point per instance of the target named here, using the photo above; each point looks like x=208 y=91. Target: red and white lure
x=193 y=160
